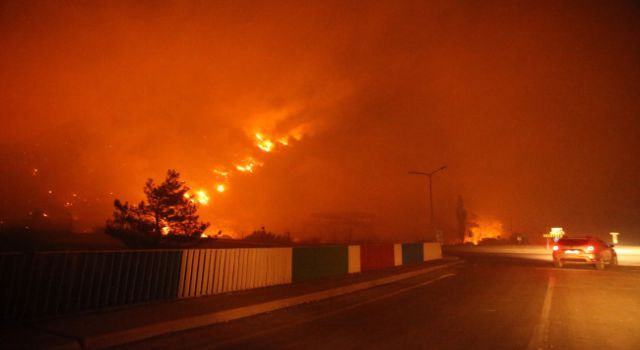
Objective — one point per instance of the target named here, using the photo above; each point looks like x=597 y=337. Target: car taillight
x=556 y=248
x=590 y=248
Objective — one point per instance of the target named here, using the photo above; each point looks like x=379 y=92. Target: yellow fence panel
x=397 y=254
x=354 y=258
x=215 y=271
x=431 y=251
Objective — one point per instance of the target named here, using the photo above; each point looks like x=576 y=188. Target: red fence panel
x=376 y=256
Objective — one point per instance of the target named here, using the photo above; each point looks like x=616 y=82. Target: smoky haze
x=533 y=107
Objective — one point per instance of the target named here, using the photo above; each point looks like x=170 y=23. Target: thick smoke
x=532 y=106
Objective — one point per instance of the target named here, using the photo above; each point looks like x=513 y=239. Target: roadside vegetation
x=168 y=216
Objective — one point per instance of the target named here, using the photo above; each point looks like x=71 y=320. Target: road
x=485 y=303
x=628 y=255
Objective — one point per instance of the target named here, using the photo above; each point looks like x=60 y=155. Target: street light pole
x=429 y=175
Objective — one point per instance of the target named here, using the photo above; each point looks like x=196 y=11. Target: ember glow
x=248 y=165
x=202 y=198
x=299 y=110
x=221 y=173
x=264 y=144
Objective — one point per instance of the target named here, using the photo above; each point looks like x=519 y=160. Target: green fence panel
x=319 y=262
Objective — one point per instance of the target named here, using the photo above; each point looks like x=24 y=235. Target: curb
x=152 y=330
x=25 y=338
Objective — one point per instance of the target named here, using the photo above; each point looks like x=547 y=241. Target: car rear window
x=573 y=242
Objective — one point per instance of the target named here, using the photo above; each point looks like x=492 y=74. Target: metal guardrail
x=48 y=284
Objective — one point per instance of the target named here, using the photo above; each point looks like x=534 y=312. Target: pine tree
x=169 y=210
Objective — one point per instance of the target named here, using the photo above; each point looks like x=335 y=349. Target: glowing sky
x=532 y=105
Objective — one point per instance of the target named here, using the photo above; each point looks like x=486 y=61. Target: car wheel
x=614 y=261
x=558 y=263
x=600 y=264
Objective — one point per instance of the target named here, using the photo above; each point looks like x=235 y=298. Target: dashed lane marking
x=539 y=339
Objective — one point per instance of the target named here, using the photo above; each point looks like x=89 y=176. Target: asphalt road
x=486 y=303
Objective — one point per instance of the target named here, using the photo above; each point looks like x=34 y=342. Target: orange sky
x=533 y=106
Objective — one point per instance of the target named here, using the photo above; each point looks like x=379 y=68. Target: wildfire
x=266 y=134
x=166 y=230
x=485 y=228
x=264 y=143
x=221 y=173
x=284 y=141
x=203 y=198
x=248 y=165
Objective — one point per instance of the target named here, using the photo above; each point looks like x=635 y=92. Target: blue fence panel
x=412 y=253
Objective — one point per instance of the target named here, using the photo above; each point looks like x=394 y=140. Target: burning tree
x=169 y=210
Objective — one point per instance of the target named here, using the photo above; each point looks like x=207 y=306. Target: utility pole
x=429 y=175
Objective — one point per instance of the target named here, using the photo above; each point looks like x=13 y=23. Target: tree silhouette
x=461 y=216
x=169 y=210
x=264 y=236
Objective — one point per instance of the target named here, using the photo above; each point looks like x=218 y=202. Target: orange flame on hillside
x=221 y=173
x=268 y=143
x=248 y=165
x=203 y=198
x=264 y=143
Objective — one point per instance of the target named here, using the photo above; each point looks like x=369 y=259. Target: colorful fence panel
x=54 y=283
x=397 y=254
x=377 y=256
x=431 y=251
x=215 y=271
x=319 y=262
x=354 y=259
x=412 y=253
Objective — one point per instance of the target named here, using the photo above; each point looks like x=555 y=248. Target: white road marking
x=327 y=314
x=540 y=335
x=565 y=270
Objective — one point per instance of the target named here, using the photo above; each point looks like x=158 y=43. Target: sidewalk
x=102 y=329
